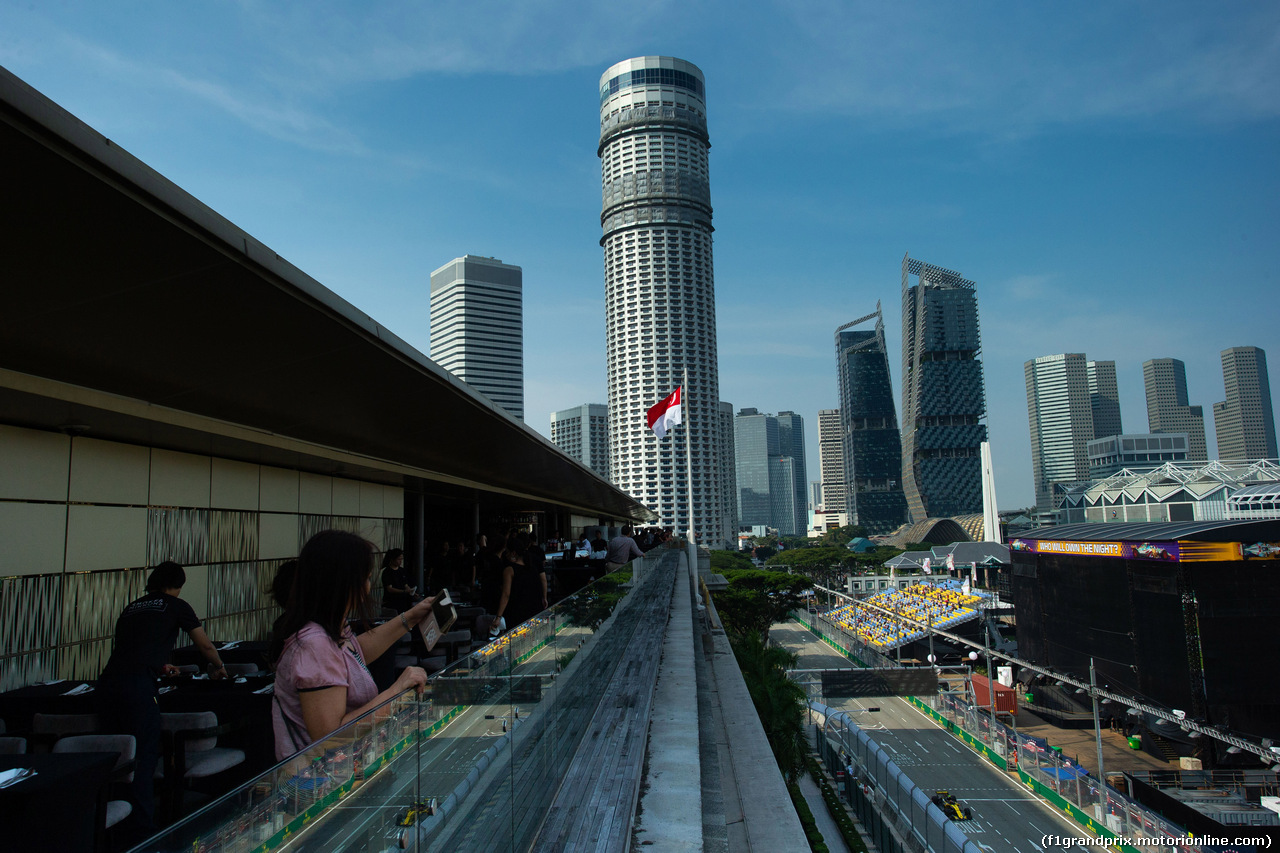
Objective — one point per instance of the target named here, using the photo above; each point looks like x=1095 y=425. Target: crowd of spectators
x=942 y=604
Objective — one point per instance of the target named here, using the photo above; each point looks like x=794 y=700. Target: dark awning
x=133 y=312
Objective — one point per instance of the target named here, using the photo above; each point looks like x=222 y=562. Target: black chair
x=13 y=746
x=190 y=752
x=48 y=729
x=125 y=746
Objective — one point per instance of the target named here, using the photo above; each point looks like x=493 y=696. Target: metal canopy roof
x=1148 y=531
x=133 y=312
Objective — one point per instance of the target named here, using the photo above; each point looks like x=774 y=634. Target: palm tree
x=778 y=700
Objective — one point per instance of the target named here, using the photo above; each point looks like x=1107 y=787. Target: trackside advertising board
x=1181 y=551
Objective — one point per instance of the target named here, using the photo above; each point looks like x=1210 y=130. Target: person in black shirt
x=397 y=591
x=126 y=692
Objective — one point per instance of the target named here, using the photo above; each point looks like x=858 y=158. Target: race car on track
x=418 y=810
x=951 y=806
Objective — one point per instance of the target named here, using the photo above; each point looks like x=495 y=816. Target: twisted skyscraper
x=660 y=309
x=943 y=398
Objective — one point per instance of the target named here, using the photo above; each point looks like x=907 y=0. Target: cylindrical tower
x=660 y=310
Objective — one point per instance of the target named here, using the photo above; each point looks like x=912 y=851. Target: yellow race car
x=418 y=810
x=951 y=806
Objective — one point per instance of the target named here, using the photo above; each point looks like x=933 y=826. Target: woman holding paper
x=322 y=681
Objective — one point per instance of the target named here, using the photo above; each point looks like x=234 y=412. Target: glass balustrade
x=471 y=763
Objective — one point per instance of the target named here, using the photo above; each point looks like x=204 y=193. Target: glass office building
x=943 y=397
x=770 y=471
x=871 y=443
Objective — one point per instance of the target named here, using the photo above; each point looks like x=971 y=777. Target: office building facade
x=1245 y=422
x=728 y=476
x=1168 y=408
x=831 y=460
x=660 y=319
x=583 y=433
x=1061 y=422
x=871 y=443
x=943 y=397
x=770 y=471
x=791 y=447
x=1110 y=454
x=477 y=327
x=1104 y=398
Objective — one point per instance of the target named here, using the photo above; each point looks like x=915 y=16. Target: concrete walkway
x=826 y=825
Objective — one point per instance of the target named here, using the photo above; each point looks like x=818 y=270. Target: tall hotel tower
x=660 y=310
x=943 y=399
x=477 y=333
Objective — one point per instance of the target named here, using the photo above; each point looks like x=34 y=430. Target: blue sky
x=1108 y=174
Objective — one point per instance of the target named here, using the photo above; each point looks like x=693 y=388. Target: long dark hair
x=331 y=584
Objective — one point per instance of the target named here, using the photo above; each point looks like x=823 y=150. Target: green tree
x=764 y=552
x=841 y=535
x=811 y=558
x=756 y=599
x=727 y=561
x=779 y=701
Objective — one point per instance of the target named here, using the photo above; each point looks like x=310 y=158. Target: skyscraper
x=660 y=314
x=872 y=444
x=1061 y=421
x=477 y=330
x=943 y=399
x=770 y=469
x=1104 y=398
x=1165 y=380
x=583 y=433
x=791 y=446
x=831 y=459
x=1245 y=423
x=728 y=476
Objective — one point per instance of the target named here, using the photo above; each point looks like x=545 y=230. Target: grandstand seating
x=944 y=602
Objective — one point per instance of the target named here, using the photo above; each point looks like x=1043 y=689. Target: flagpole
x=687 y=412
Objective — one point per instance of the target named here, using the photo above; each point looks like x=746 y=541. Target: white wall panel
x=278 y=490
x=110 y=473
x=34 y=464
x=315 y=494
x=234 y=485
x=106 y=537
x=346 y=497
x=196 y=593
x=34 y=538
x=179 y=479
x=371 y=500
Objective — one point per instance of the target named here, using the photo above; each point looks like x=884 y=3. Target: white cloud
x=1011 y=70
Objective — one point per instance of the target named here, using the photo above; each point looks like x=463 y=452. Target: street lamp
x=1097 y=728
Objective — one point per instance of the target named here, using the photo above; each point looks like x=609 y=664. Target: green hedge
x=836 y=807
x=811 y=833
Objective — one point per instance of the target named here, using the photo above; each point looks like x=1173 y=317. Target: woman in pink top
x=322 y=682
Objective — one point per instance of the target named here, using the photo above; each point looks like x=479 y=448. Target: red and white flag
x=666 y=414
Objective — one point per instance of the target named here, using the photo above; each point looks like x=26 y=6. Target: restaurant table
x=234 y=701
x=59 y=808
x=248 y=651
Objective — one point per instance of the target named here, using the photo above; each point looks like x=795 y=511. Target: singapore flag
x=666 y=414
